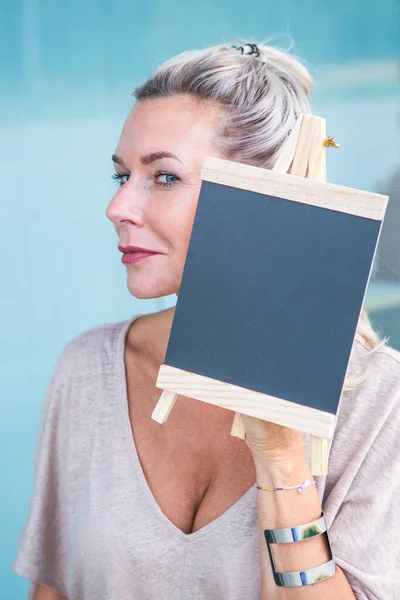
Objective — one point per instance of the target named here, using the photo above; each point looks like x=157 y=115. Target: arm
x=280 y=461
x=43 y=543
x=42 y=592
x=284 y=509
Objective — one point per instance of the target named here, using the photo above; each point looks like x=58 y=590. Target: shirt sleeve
x=43 y=541
x=363 y=503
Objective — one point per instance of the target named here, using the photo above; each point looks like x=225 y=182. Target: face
x=157 y=165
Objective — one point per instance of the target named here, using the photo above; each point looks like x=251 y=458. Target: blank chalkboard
x=271 y=294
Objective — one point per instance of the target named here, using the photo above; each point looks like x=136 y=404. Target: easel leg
x=319 y=455
x=164 y=406
x=238 y=429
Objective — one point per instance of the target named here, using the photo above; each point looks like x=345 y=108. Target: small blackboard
x=271 y=293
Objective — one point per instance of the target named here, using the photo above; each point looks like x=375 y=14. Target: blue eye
x=169 y=181
x=119 y=178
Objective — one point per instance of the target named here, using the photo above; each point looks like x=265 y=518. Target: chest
x=194 y=468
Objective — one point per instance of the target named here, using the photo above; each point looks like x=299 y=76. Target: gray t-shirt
x=95 y=531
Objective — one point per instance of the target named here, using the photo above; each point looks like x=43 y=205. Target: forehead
x=180 y=124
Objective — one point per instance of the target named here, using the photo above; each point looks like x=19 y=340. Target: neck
x=150 y=334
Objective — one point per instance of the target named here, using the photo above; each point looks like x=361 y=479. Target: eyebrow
x=148 y=158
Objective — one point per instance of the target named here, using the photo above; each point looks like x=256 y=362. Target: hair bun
x=286 y=66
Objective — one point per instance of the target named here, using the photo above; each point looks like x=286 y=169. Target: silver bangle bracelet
x=298 y=534
x=307 y=577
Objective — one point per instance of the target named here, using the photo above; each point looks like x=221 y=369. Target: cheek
x=185 y=225
x=179 y=222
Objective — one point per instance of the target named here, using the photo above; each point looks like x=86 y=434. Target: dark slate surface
x=271 y=294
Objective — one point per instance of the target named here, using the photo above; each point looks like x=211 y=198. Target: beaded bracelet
x=300 y=488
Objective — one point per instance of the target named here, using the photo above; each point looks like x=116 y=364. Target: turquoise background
x=67 y=71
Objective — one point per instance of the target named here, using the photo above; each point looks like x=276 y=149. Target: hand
x=270 y=442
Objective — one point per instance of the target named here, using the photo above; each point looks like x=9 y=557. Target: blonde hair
x=260 y=97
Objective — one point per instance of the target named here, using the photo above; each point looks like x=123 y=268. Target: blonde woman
x=127 y=509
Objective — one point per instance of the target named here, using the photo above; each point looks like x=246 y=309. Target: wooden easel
x=303 y=155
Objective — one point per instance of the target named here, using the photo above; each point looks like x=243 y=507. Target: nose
x=126 y=205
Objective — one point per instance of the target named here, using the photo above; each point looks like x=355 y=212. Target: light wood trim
x=164 y=406
x=248 y=402
x=319 y=455
x=238 y=429
x=306 y=140
x=317 y=158
x=298 y=189
x=286 y=156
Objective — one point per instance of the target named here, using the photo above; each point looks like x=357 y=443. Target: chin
x=149 y=291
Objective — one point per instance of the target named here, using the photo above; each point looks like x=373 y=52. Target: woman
x=125 y=508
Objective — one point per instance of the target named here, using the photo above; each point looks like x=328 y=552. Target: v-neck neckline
x=122 y=391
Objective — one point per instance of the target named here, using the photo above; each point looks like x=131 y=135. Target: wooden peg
x=164 y=406
x=319 y=455
x=317 y=159
x=238 y=429
x=305 y=142
x=286 y=156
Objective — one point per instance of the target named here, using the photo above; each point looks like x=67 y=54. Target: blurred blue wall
x=67 y=70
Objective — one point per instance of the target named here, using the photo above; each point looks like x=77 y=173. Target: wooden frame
x=303 y=156
x=289 y=414
x=298 y=189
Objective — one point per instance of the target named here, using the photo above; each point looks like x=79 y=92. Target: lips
x=135 y=254
x=130 y=249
